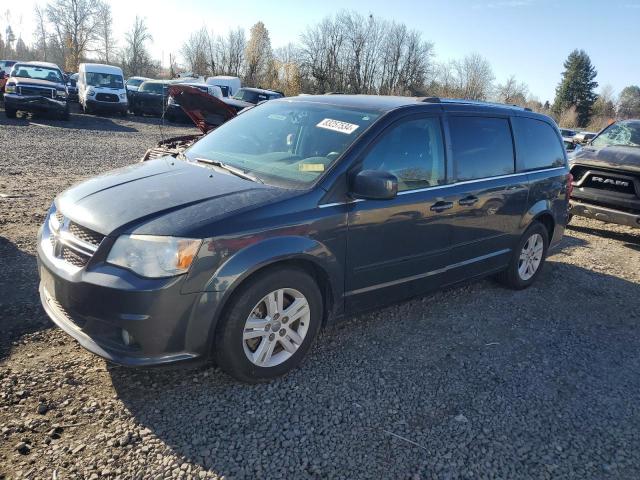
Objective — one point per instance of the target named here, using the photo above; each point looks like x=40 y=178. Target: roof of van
x=223 y=77
x=100 y=68
x=385 y=103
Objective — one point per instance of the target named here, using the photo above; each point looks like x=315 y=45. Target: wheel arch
x=306 y=254
x=541 y=212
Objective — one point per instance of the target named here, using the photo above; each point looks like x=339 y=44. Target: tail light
x=569 y=184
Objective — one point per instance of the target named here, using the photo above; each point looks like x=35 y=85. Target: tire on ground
x=510 y=277
x=229 y=344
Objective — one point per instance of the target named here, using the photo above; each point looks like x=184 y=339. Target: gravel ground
x=472 y=382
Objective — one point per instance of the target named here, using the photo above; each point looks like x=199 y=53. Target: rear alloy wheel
x=527 y=259
x=269 y=325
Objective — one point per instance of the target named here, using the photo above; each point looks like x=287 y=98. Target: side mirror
x=374 y=185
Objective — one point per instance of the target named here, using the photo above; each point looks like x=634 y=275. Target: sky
x=526 y=38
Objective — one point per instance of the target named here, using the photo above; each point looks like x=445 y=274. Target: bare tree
x=195 y=52
x=41 y=35
x=568 y=118
x=234 y=46
x=76 y=23
x=470 y=78
x=135 y=57
x=258 y=56
x=512 y=92
x=106 y=44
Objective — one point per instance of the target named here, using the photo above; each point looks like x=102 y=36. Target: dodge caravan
x=295 y=213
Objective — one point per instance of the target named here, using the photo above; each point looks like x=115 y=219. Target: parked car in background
x=229 y=85
x=151 y=98
x=256 y=95
x=5 y=70
x=101 y=87
x=174 y=110
x=606 y=175
x=36 y=87
x=567 y=138
x=293 y=214
x=583 y=137
x=72 y=87
x=133 y=83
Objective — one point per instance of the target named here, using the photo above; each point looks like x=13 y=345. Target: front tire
x=528 y=258
x=10 y=112
x=269 y=325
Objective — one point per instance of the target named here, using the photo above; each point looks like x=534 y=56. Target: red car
x=5 y=68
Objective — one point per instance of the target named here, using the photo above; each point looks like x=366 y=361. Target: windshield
x=250 y=96
x=289 y=143
x=38 y=73
x=149 y=87
x=107 y=80
x=134 y=82
x=626 y=134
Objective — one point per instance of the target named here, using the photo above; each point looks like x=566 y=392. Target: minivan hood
x=625 y=158
x=206 y=111
x=160 y=197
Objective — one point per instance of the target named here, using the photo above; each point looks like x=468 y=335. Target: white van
x=229 y=85
x=101 y=87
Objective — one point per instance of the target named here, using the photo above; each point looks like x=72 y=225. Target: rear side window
x=413 y=151
x=481 y=146
x=537 y=144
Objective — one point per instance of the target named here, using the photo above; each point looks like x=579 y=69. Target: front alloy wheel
x=276 y=327
x=269 y=324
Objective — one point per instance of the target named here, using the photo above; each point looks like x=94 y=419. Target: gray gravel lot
x=472 y=382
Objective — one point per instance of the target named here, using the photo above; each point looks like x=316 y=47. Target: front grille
x=84 y=234
x=600 y=179
x=73 y=257
x=38 y=91
x=71 y=242
x=106 y=97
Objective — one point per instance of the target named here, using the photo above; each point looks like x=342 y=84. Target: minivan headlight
x=154 y=256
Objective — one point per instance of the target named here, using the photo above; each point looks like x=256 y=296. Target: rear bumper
x=604 y=214
x=29 y=103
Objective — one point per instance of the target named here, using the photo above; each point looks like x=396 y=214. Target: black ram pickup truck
x=606 y=176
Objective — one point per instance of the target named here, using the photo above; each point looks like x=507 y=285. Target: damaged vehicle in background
x=207 y=112
x=606 y=176
x=36 y=87
x=175 y=112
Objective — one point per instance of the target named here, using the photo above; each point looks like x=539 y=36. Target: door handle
x=468 y=201
x=441 y=206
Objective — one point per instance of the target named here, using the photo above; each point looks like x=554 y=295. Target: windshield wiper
x=238 y=172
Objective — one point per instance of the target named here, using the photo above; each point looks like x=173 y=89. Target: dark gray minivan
x=297 y=212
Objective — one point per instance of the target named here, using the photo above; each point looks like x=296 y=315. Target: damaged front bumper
x=34 y=103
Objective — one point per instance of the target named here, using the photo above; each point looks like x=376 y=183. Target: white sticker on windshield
x=338 y=126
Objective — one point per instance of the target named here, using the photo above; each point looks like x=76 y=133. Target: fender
x=537 y=209
x=242 y=264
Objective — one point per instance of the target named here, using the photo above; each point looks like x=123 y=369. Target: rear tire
x=528 y=258
x=10 y=112
x=251 y=324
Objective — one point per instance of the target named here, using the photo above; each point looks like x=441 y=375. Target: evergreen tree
x=576 y=89
x=629 y=102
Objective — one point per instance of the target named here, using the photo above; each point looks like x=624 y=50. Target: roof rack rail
x=463 y=101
